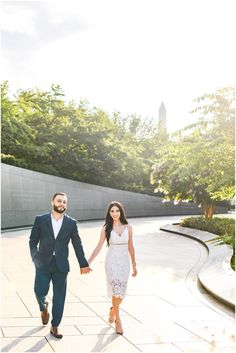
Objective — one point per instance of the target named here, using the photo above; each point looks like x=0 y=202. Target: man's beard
x=56 y=209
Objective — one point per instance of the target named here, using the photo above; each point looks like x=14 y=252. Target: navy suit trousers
x=41 y=288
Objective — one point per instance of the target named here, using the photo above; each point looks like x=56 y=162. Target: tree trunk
x=208 y=209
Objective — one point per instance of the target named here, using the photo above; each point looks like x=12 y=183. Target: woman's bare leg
x=116 y=305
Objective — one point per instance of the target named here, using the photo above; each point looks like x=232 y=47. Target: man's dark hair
x=58 y=193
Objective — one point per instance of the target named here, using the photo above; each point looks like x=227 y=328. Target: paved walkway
x=165 y=309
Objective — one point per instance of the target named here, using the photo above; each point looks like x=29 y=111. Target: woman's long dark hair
x=109 y=221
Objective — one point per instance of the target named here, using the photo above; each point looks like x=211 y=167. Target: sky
x=122 y=55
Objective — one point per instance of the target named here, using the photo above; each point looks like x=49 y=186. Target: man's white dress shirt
x=56 y=225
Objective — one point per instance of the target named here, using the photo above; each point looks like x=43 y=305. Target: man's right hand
x=85 y=270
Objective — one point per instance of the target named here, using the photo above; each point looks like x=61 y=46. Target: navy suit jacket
x=43 y=243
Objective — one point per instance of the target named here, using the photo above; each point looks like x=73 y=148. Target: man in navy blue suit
x=49 y=240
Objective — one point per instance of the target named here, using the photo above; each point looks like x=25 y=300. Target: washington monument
x=162 y=118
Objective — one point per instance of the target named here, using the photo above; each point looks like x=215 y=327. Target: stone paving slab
x=164 y=310
x=26 y=344
x=159 y=348
x=218 y=331
x=95 y=329
x=9 y=305
x=201 y=346
x=93 y=343
x=162 y=333
x=37 y=331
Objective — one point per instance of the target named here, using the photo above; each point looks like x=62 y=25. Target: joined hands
x=85 y=270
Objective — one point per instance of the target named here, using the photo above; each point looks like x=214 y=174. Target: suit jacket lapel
x=49 y=223
x=63 y=226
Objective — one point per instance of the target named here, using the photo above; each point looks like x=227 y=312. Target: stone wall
x=26 y=193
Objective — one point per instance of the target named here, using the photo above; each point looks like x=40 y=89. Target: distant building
x=162 y=118
x=162 y=125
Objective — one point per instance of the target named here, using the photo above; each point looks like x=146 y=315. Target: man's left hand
x=85 y=270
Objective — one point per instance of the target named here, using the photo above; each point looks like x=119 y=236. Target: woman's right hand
x=134 y=274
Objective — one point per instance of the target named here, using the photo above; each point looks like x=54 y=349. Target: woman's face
x=115 y=213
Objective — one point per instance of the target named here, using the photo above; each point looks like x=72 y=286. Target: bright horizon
x=125 y=56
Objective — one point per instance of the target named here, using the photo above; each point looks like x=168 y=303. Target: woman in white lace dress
x=119 y=236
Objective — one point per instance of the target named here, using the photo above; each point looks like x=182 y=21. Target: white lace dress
x=117 y=264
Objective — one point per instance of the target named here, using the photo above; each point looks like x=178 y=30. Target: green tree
x=199 y=164
x=17 y=136
x=40 y=131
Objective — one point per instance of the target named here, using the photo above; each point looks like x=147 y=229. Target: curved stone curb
x=216 y=275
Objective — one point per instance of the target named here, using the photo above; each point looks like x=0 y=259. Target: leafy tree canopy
x=43 y=132
x=198 y=164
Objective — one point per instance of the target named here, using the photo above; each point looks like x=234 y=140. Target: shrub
x=223 y=227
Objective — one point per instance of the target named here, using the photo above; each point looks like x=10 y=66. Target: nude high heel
x=111 y=315
x=119 y=328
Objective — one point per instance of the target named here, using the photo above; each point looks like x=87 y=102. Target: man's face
x=59 y=204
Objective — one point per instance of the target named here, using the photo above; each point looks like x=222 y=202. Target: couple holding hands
x=49 y=240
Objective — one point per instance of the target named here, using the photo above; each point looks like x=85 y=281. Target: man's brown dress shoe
x=45 y=315
x=54 y=332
